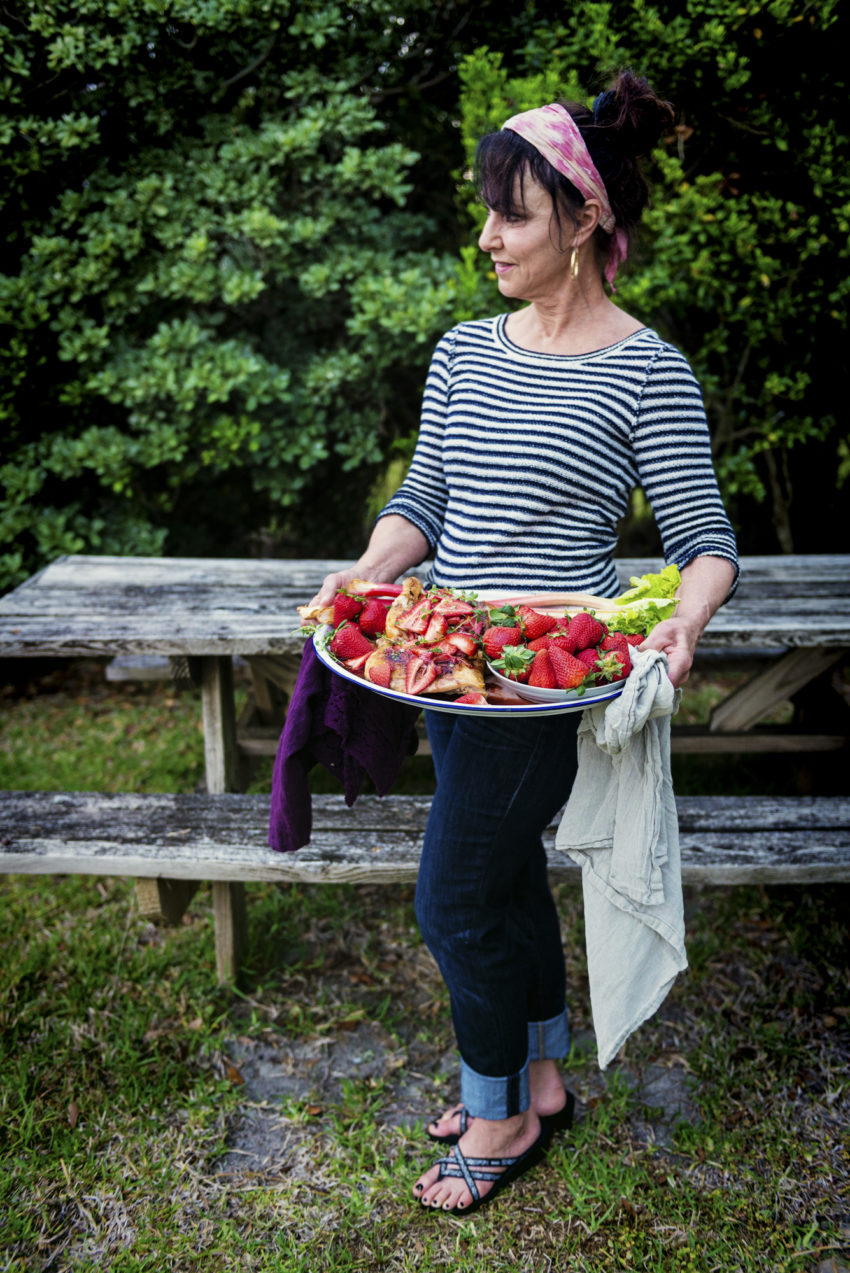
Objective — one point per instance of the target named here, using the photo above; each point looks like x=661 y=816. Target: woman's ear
x=586 y=219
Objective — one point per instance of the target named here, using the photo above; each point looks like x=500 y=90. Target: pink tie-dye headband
x=554 y=133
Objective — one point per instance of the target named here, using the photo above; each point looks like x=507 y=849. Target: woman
x=536 y=426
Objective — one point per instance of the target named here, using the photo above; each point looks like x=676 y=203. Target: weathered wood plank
x=707 y=858
x=223 y=838
x=239 y=818
x=89 y=606
x=693 y=740
x=803 y=570
x=775 y=685
x=690 y=740
x=81 y=637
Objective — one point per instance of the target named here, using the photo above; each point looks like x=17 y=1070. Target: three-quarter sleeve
x=672 y=448
x=423 y=495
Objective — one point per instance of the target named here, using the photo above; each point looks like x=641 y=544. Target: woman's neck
x=576 y=321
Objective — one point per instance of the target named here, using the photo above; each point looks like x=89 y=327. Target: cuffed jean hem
x=486 y=1096
x=549 y=1040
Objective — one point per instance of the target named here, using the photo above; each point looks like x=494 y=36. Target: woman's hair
x=625 y=124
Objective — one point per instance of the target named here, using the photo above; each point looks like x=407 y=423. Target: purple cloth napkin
x=349 y=729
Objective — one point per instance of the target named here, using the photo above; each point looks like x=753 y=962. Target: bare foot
x=547 y=1098
x=486 y=1138
x=547 y=1088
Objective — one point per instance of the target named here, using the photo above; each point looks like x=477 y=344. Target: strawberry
x=462 y=641
x=516 y=662
x=346 y=606
x=497 y=637
x=419 y=674
x=349 y=643
x=563 y=640
x=357 y=664
x=540 y=643
x=617 y=643
x=535 y=624
x=436 y=630
x=417 y=618
x=381 y=674
x=585 y=630
x=454 y=608
x=373 y=618
x=610 y=666
x=635 y=638
x=569 y=672
x=542 y=675
x=590 y=659
x=473 y=696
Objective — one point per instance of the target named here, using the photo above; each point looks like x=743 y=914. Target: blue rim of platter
x=593 y=698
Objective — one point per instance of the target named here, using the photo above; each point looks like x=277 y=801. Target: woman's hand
x=396 y=546
x=705 y=584
x=678 y=639
x=331 y=585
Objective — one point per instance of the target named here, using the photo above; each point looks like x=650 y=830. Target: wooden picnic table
x=789 y=619
x=789 y=623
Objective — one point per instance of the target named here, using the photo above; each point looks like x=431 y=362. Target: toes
x=447 y=1123
x=426 y=1182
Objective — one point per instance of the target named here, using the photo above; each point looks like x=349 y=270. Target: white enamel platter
x=590 y=698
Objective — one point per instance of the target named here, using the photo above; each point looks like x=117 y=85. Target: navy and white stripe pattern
x=525 y=461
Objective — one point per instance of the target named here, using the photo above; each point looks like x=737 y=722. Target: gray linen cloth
x=620 y=825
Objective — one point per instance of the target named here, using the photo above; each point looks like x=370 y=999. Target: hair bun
x=632 y=112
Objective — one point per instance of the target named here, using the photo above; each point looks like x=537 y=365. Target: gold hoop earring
x=574 y=262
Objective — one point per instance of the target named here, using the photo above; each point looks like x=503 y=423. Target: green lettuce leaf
x=649 y=600
x=658 y=586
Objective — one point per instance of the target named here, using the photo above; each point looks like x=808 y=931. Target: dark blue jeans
x=483 y=900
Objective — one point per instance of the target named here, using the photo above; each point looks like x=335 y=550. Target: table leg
x=162 y=899
x=222 y=775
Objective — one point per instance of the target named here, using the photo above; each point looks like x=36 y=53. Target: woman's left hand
x=678 y=639
x=705 y=583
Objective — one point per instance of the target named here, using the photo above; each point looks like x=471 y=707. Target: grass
x=151 y=1121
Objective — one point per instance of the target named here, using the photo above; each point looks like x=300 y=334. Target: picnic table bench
x=789 y=622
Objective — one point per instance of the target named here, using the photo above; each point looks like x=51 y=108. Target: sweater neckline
x=502 y=339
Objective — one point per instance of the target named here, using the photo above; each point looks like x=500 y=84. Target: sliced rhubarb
x=366 y=588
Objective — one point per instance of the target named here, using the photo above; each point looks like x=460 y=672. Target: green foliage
x=743 y=258
x=232 y=237
x=214 y=286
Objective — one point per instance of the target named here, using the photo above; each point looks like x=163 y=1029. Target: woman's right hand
x=395 y=546
x=331 y=585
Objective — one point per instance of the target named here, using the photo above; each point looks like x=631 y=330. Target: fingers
x=331 y=585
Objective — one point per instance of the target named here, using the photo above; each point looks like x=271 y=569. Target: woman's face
x=524 y=247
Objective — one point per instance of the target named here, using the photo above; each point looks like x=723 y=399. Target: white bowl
x=533 y=694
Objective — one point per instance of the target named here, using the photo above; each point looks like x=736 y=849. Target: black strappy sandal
x=500 y=1171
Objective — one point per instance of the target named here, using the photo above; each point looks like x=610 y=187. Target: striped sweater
x=526 y=461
